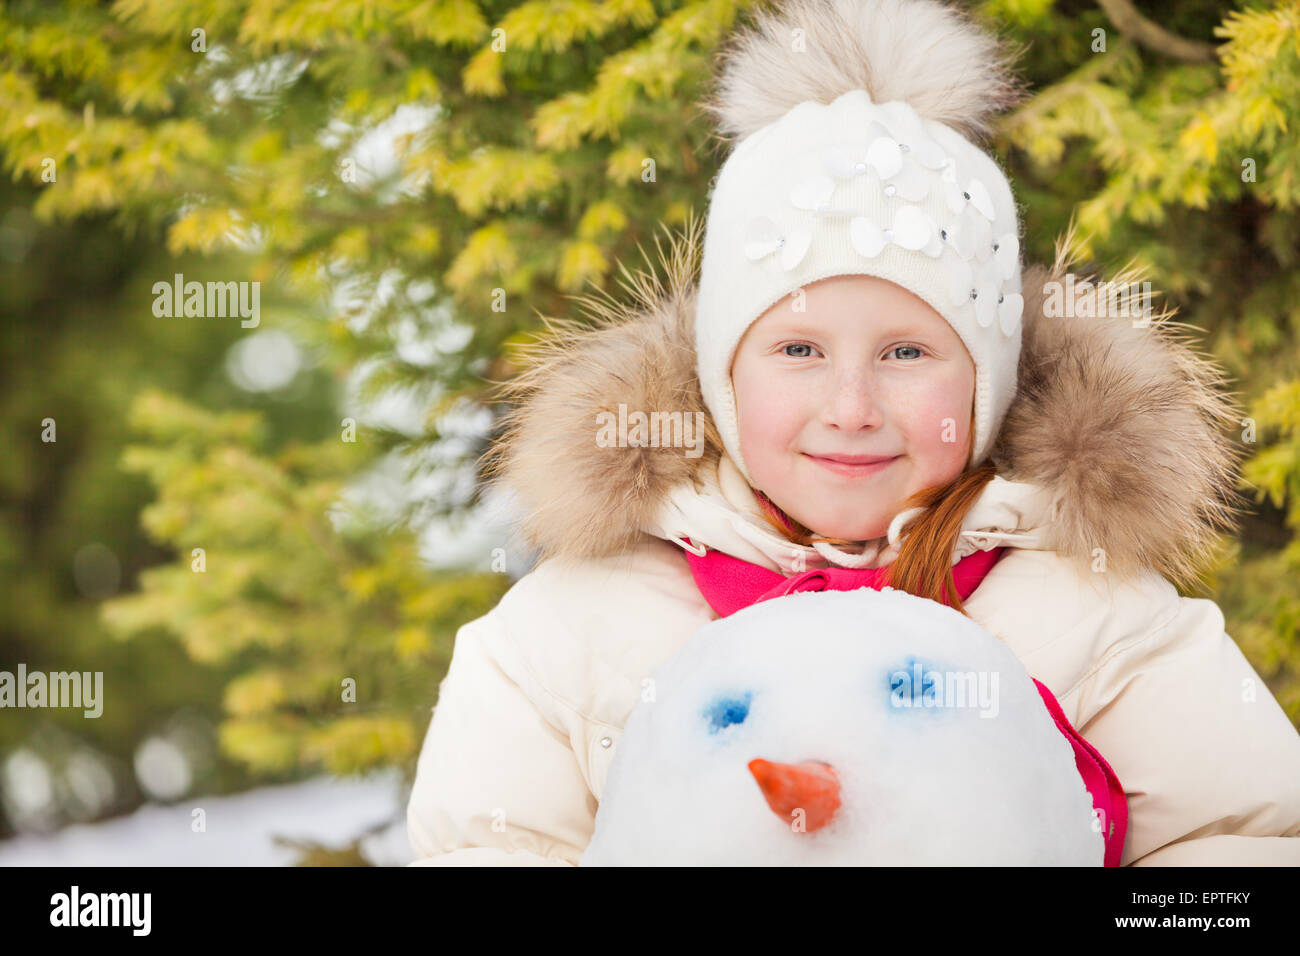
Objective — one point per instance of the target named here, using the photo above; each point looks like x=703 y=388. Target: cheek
x=770 y=413
x=937 y=418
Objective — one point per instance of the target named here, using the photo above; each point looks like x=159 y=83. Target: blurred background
x=264 y=528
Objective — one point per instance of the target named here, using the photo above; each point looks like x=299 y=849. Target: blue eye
x=912 y=683
x=726 y=711
x=798 y=345
x=914 y=348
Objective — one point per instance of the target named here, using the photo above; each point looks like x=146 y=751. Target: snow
x=847 y=679
x=239 y=828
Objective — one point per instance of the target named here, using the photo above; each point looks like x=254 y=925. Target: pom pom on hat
x=930 y=56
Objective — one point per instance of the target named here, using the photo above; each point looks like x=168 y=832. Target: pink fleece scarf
x=729 y=584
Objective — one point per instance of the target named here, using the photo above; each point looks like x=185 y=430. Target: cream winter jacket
x=1112 y=478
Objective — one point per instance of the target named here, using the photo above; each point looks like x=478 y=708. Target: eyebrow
x=890 y=330
x=793 y=328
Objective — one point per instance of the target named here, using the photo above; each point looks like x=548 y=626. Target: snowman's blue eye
x=726 y=711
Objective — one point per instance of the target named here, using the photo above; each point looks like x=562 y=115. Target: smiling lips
x=854 y=466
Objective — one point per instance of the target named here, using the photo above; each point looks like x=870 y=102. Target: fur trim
x=928 y=54
x=1123 y=425
x=1127 y=425
x=579 y=498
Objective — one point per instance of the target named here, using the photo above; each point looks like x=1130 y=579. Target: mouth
x=853 y=466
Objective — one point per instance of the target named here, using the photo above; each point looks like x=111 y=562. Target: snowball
x=939 y=748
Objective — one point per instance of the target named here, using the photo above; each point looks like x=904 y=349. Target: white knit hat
x=853 y=162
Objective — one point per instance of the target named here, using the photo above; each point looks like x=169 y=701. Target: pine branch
x=1151 y=35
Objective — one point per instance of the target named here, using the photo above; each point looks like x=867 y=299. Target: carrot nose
x=811 y=786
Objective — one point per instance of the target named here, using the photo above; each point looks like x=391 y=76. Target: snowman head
x=844 y=728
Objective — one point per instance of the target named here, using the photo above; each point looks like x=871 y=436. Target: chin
x=849 y=530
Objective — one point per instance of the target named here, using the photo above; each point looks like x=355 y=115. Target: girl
x=882 y=393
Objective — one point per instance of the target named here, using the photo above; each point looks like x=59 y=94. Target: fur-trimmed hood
x=1115 y=439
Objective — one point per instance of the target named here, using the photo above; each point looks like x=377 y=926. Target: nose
x=811 y=786
x=852 y=403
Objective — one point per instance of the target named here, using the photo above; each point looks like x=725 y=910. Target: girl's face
x=847 y=408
